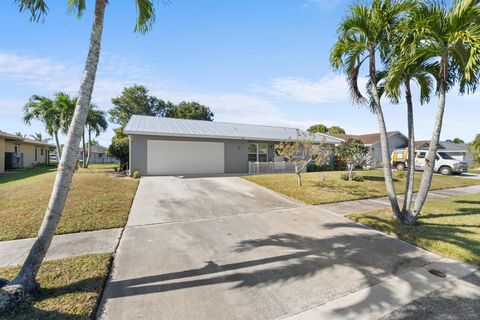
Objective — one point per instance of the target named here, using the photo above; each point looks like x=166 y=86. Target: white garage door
x=184 y=157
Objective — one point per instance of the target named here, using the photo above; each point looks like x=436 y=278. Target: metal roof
x=170 y=127
x=14 y=137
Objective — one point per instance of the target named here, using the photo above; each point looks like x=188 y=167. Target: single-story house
x=456 y=150
x=167 y=146
x=396 y=140
x=18 y=152
x=99 y=154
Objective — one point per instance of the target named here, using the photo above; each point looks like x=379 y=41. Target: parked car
x=444 y=163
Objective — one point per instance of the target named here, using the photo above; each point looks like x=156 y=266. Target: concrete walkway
x=224 y=248
x=75 y=244
x=349 y=207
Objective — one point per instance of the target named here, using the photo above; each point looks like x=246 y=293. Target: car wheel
x=400 y=166
x=446 y=171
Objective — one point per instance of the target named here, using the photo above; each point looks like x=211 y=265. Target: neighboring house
x=396 y=140
x=99 y=155
x=166 y=146
x=18 y=152
x=456 y=150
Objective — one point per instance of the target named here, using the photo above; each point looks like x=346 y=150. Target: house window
x=41 y=152
x=258 y=152
x=16 y=149
x=36 y=154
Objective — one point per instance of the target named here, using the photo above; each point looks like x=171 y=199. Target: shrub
x=119 y=149
x=355 y=177
x=313 y=167
x=136 y=174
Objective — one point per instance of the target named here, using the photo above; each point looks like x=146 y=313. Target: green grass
x=327 y=187
x=449 y=227
x=21 y=175
x=70 y=289
x=97 y=200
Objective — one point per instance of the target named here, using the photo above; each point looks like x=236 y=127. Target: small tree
x=318 y=128
x=189 y=110
x=336 y=130
x=354 y=153
x=474 y=147
x=119 y=149
x=302 y=151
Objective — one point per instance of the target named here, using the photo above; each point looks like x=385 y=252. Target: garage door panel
x=185 y=157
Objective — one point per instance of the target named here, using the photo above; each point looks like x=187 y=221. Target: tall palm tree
x=38 y=136
x=43 y=109
x=401 y=73
x=96 y=123
x=363 y=35
x=25 y=281
x=450 y=36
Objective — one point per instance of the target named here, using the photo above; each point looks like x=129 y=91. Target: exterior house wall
x=2 y=155
x=236 y=152
x=394 y=142
x=28 y=151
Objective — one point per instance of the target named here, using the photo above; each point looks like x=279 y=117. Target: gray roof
x=14 y=137
x=170 y=127
x=449 y=145
x=443 y=145
x=96 y=148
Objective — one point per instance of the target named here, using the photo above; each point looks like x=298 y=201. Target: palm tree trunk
x=427 y=175
x=409 y=186
x=387 y=167
x=89 y=145
x=84 y=151
x=59 y=148
x=25 y=281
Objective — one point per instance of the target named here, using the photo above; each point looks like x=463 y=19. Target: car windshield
x=446 y=156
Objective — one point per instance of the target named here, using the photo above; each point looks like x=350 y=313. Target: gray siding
x=236 y=152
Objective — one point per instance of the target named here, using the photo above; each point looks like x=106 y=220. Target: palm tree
x=402 y=71
x=38 y=136
x=25 y=281
x=450 y=36
x=43 y=109
x=363 y=35
x=96 y=123
x=55 y=114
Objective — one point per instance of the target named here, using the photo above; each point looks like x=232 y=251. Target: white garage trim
x=185 y=157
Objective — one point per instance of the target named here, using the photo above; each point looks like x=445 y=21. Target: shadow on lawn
x=28 y=310
x=16 y=176
x=371 y=254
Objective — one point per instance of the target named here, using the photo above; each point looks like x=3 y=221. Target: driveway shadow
x=370 y=256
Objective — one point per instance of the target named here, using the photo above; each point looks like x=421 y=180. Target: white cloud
x=331 y=88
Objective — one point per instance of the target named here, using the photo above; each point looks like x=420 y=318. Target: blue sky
x=250 y=61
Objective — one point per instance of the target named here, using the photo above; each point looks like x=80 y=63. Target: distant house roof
x=367 y=139
x=14 y=137
x=443 y=145
x=147 y=125
x=96 y=148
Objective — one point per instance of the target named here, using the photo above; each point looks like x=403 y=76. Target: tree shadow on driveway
x=330 y=267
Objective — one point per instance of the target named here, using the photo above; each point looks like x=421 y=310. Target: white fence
x=272 y=167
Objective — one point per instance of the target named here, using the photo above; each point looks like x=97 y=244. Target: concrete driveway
x=224 y=248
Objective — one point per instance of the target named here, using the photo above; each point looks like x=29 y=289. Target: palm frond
x=37 y=8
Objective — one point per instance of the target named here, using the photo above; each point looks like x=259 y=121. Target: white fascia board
x=178 y=135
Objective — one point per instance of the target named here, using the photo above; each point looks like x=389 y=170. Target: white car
x=444 y=163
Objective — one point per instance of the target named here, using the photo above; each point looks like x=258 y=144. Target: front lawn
x=97 y=200
x=70 y=288
x=327 y=187
x=21 y=175
x=449 y=227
